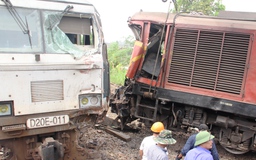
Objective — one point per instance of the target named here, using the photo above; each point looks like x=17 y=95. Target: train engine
x=191 y=69
x=54 y=79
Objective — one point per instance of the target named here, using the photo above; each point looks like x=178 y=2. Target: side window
x=137 y=30
x=78 y=30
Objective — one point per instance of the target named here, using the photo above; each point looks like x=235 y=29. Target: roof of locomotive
x=238 y=15
x=56 y=5
x=85 y=2
x=187 y=19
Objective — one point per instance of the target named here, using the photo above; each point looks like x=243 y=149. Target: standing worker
x=158 y=151
x=148 y=141
x=203 y=145
x=191 y=141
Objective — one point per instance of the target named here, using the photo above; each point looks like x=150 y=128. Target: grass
x=117 y=76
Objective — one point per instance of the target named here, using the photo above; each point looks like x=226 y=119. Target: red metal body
x=247 y=92
x=137 y=55
x=194 y=69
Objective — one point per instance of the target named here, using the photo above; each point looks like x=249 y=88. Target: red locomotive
x=191 y=69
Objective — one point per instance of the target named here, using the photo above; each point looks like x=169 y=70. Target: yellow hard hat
x=157 y=127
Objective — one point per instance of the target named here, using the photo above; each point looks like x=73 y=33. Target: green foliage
x=207 y=7
x=119 y=54
x=117 y=75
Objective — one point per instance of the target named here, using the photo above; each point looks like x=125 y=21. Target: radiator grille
x=209 y=60
x=42 y=91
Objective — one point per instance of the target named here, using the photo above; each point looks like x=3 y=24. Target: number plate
x=47 y=121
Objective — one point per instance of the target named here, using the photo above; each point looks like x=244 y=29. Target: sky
x=115 y=13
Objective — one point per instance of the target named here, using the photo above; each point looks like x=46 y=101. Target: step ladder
x=141 y=106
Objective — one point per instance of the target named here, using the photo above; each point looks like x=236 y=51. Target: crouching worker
x=202 y=148
x=159 y=151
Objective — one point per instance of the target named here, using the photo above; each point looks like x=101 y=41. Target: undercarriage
x=236 y=134
x=75 y=143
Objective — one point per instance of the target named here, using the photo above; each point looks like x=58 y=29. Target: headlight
x=5 y=109
x=87 y=101
x=84 y=101
x=94 y=100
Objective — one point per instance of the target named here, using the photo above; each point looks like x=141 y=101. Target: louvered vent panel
x=233 y=61
x=207 y=60
x=183 y=57
x=42 y=91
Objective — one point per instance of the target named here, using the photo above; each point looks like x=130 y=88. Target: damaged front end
x=122 y=104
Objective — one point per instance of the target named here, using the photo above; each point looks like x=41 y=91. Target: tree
x=119 y=54
x=207 y=7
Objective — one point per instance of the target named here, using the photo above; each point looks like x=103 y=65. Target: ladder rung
x=150 y=119
x=138 y=105
x=164 y=108
x=142 y=105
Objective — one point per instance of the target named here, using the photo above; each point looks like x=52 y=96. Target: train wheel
x=226 y=143
x=234 y=151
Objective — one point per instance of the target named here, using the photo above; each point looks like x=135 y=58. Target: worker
x=191 y=141
x=203 y=144
x=159 y=150
x=156 y=128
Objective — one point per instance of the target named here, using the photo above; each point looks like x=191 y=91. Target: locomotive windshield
x=15 y=40
x=61 y=34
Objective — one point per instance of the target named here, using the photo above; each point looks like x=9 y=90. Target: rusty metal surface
x=241 y=15
x=193 y=20
x=75 y=144
x=51 y=149
x=74 y=116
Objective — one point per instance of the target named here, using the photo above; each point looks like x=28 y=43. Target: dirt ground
x=113 y=148
x=117 y=149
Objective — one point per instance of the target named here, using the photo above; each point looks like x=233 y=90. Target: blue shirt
x=199 y=153
x=190 y=145
x=157 y=153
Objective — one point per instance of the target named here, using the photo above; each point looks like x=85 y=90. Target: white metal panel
x=50 y=61
x=75 y=82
